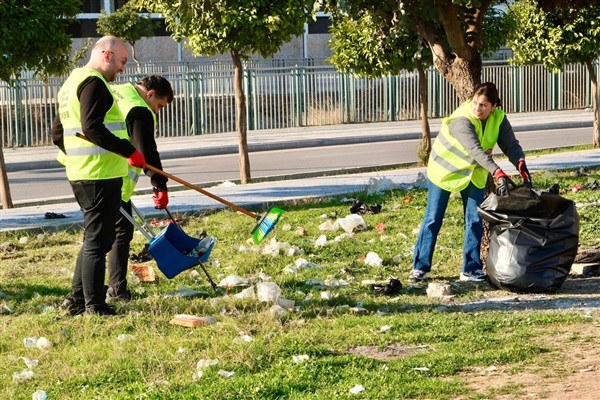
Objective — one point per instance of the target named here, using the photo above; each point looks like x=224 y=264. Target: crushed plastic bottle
x=39 y=395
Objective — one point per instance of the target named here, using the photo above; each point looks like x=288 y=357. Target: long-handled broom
x=264 y=224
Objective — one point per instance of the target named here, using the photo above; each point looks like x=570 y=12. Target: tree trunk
x=425 y=146
x=594 y=79
x=4 y=188
x=463 y=75
x=241 y=123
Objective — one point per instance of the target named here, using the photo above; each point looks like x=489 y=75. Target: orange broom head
x=266 y=224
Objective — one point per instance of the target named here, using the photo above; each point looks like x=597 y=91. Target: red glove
x=136 y=159
x=161 y=198
x=502 y=182
x=522 y=168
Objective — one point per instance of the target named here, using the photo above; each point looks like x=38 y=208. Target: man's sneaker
x=417 y=275
x=475 y=276
x=73 y=306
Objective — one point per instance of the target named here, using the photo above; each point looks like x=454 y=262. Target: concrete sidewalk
x=266 y=194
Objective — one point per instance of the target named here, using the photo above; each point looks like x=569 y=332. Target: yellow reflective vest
x=450 y=166
x=127 y=98
x=84 y=160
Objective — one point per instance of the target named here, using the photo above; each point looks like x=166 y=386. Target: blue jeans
x=437 y=202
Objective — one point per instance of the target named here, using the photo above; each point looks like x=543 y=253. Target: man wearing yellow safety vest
x=140 y=104
x=460 y=161
x=94 y=170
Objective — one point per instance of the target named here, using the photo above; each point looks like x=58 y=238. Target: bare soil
x=571 y=370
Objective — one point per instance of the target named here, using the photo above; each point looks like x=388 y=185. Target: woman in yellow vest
x=140 y=104
x=460 y=161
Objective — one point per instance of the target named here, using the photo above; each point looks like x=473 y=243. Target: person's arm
x=464 y=131
x=95 y=101
x=509 y=144
x=140 y=125
x=56 y=132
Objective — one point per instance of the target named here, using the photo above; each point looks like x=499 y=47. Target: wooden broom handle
x=204 y=192
x=187 y=184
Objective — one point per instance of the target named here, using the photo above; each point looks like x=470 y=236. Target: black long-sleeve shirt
x=95 y=101
x=140 y=125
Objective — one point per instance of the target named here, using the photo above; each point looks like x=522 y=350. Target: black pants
x=119 y=254
x=99 y=200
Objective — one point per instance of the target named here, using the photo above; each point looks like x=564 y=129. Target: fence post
x=391 y=89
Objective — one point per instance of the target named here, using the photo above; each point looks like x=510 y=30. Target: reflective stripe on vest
x=450 y=166
x=127 y=98
x=84 y=160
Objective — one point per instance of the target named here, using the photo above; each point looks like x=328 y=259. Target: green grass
x=157 y=360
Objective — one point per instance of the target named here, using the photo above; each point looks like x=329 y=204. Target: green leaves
x=33 y=35
x=248 y=26
x=553 y=38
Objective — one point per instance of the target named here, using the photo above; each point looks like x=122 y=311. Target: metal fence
x=281 y=95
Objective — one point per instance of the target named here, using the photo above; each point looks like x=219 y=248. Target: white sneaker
x=475 y=276
x=417 y=276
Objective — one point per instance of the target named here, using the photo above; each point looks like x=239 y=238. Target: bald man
x=95 y=171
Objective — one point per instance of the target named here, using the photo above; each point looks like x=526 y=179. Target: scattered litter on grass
x=329 y=226
x=424 y=369
x=393 y=287
x=380 y=227
x=24 y=375
x=286 y=227
x=5 y=310
x=326 y=295
x=205 y=363
x=4 y=296
x=302 y=263
x=268 y=292
x=187 y=293
x=277 y=311
x=191 y=321
x=285 y=303
x=23 y=240
x=335 y=283
x=373 y=260
x=245 y=338
x=248 y=293
x=300 y=359
x=385 y=328
x=352 y=223
x=39 y=395
x=30 y=363
x=300 y=231
x=321 y=241
x=233 y=281
x=226 y=374
x=358 y=207
x=357 y=389
x=143 y=273
x=123 y=337
x=315 y=282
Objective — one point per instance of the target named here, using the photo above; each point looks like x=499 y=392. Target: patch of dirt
x=387 y=353
x=570 y=370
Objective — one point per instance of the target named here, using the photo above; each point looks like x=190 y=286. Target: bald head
x=109 y=56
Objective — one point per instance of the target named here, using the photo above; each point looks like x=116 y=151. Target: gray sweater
x=464 y=131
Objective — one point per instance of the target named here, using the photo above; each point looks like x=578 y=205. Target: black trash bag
x=358 y=207
x=534 y=239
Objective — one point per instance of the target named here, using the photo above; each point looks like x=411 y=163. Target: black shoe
x=124 y=296
x=73 y=306
x=100 y=310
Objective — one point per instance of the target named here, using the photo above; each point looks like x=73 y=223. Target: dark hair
x=160 y=85
x=489 y=90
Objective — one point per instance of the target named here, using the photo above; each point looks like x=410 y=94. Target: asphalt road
x=52 y=185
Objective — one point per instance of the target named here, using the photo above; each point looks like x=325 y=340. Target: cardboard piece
x=144 y=273
x=190 y=321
